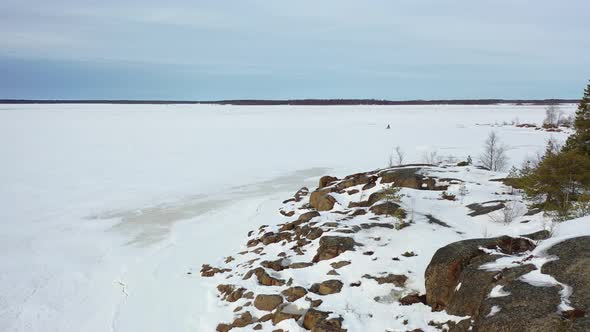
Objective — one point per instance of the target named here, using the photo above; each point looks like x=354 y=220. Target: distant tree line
x=302 y=102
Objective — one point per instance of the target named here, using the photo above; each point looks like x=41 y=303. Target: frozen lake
x=108 y=211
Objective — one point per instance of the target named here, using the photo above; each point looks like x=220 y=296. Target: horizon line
x=295 y=102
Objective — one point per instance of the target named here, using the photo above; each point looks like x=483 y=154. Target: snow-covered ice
x=108 y=211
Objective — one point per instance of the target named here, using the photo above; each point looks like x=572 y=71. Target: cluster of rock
x=265 y=293
x=331 y=241
x=408 y=177
x=546 y=127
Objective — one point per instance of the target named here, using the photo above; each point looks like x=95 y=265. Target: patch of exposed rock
x=326 y=180
x=337 y=265
x=573 y=269
x=231 y=293
x=209 y=271
x=326 y=287
x=293 y=294
x=321 y=200
x=410 y=178
x=457 y=283
x=479 y=209
x=267 y=302
x=332 y=246
x=394 y=279
x=386 y=208
x=286 y=311
x=264 y=278
x=444 y=272
x=244 y=320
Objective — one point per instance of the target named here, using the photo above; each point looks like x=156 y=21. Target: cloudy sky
x=274 y=49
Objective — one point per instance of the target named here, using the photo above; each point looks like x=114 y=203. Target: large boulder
x=329 y=325
x=314 y=233
x=321 y=200
x=456 y=282
x=527 y=308
x=209 y=271
x=312 y=317
x=305 y=217
x=412 y=298
x=304 y=191
x=444 y=271
x=573 y=269
x=286 y=311
x=332 y=246
x=410 y=178
x=355 y=180
x=476 y=284
x=231 y=293
x=326 y=180
x=293 y=294
x=272 y=237
x=243 y=320
x=327 y=287
x=277 y=265
x=267 y=302
x=263 y=277
x=373 y=198
x=385 y=208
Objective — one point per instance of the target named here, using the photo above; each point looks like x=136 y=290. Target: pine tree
x=580 y=140
x=391 y=194
x=559 y=180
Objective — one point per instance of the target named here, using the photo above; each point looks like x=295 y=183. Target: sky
x=276 y=49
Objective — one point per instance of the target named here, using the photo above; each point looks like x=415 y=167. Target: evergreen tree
x=559 y=180
x=580 y=140
x=391 y=194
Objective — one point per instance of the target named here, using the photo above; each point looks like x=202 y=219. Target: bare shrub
x=566 y=121
x=391 y=161
x=430 y=157
x=508 y=214
x=397 y=157
x=450 y=159
x=515 y=121
x=494 y=155
x=550 y=115
x=553 y=115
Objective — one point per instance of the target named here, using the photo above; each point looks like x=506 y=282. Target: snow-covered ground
x=108 y=211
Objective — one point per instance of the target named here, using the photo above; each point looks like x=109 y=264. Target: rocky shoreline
x=342 y=261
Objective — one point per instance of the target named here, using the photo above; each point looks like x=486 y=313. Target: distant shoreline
x=304 y=102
